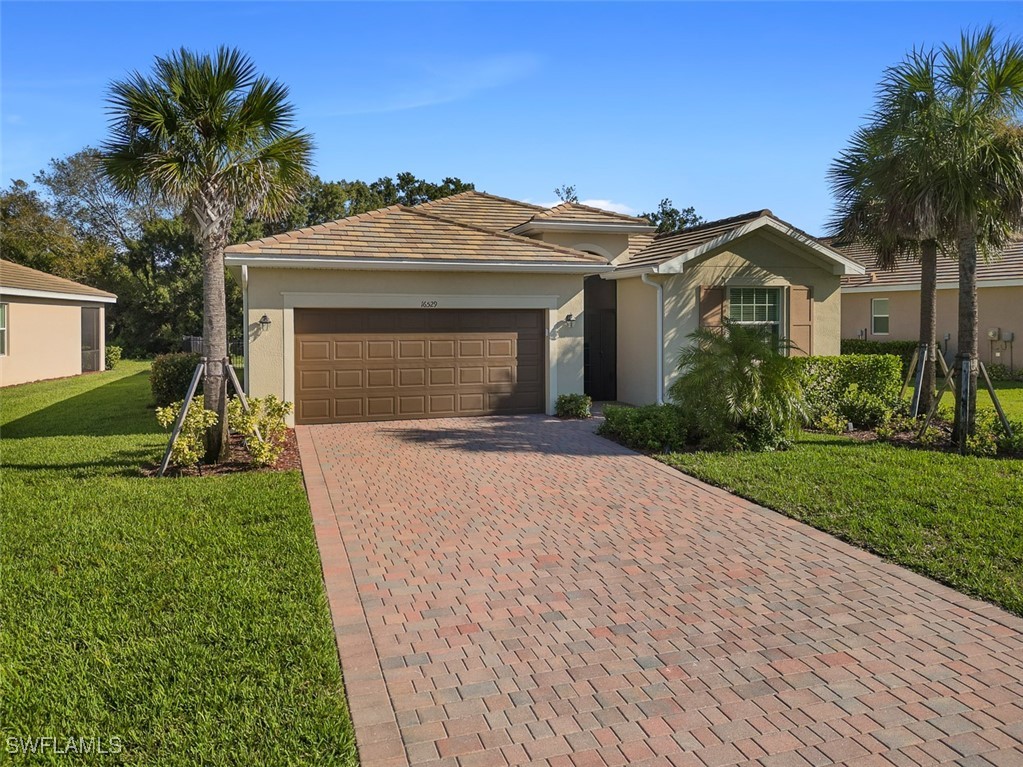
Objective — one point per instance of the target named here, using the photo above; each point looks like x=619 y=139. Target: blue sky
x=727 y=107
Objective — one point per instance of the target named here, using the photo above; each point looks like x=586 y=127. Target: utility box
x=994 y=334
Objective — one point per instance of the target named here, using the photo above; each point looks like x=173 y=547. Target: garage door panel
x=357 y=365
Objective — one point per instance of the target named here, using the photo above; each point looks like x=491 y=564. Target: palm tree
x=207 y=134
x=883 y=196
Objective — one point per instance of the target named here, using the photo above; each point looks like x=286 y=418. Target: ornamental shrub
x=826 y=379
x=652 y=428
x=263 y=427
x=1000 y=372
x=111 y=356
x=863 y=409
x=901 y=349
x=190 y=446
x=573 y=406
x=170 y=376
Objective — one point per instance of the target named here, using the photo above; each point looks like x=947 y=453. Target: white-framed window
x=756 y=306
x=879 y=318
x=3 y=330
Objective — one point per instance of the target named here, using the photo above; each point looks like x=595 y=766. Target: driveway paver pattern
x=511 y=591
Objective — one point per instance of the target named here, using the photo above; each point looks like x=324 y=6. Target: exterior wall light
x=264 y=323
x=570 y=320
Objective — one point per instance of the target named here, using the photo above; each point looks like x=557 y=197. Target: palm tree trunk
x=966 y=406
x=928 y=320
x=214 y=340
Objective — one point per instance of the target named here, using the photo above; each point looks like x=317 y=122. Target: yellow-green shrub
x=263 y=427
x=190 y=446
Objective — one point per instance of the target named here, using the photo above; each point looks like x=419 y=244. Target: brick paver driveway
x=521 y=591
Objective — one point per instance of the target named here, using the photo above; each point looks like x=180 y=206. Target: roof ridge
x=506 y=235
x=481 y=194
x=293 y=234
x=751 y=215
x=612 y=213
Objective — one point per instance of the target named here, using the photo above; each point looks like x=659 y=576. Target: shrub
x=170 y=376
x=991 y=436
x=573 y=406
x=190 y=446
x=111 y=356
x=831 y=423
x=651 y=428
x=738 y=390
x=826 y=379
x=263 y=427
x=902 y=349
x=1000 y=372
x=863 y=409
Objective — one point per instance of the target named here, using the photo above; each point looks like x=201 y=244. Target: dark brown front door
x=600 y=339
x=387 y=364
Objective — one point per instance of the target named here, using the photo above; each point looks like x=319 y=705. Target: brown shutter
x=712 y=307
x=801 y=320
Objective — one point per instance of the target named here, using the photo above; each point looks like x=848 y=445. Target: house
x=885 y=305
x=476 y=304
x=49 y=327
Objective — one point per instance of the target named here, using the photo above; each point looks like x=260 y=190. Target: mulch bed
x=238 y=460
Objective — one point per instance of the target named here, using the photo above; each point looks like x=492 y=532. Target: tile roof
x=665 y=247
x=574 y=211
x=481 y=209
x=18 y=277
x=1005 y=265
x=399 y=232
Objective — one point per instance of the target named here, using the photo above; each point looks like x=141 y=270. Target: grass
x=186 y=617
x=956 y=519
x=1010 y=394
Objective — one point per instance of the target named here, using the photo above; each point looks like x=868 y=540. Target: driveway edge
x=376 y=726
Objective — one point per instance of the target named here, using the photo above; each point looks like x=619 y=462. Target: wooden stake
x=199 y=370
x=914 y=405
x=909 y=374
x=994 y=398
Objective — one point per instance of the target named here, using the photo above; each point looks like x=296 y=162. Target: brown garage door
x=382 y=364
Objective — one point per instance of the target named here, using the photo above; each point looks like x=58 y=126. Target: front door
x=600 y=339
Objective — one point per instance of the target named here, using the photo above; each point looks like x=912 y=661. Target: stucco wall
x=997 y=308
x=611 y=246
x=276 y=292
x=44 y=340
x=754 y=261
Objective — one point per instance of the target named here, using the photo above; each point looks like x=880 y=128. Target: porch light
x=264 y=323
x=570 y=320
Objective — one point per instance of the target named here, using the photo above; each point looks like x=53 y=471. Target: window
x=756 y=306
x=3 y=330
x=879 y=316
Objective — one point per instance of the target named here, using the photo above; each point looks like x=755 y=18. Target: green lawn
x=186 y=617
x=1010 y=394
x=957 y=519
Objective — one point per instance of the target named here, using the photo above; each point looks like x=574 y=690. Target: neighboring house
x=885 y=305
x=49 y=327
x=476 y=304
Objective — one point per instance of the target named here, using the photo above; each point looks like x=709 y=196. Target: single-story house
x=50 y=327
x=476 y=304
x=885 y=305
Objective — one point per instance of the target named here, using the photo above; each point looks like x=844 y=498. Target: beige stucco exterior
x=276 y=292
x=998 y=307
x=44 y=339
x=757 y=260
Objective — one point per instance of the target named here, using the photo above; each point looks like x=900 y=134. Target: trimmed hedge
x=902 y=349
x=573 y=406
x=651 y=428
x=827 y=379
x=1000 y=372
x=111 y=356
x=170 y=376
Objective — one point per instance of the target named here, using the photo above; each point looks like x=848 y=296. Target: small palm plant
x=739 y=389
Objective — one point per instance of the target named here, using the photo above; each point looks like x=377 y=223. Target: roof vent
x=873 y=276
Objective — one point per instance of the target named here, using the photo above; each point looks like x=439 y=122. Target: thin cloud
x=456 y=81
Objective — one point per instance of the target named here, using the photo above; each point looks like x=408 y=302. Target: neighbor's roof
x=1004 y=265
x=481 y=209
x=16 y=279
x=574 y=211
x=408 y=235
x=669 y=252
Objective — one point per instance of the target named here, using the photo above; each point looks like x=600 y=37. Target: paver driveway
x=521 y=591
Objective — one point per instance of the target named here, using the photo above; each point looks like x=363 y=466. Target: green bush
x=190 y=446
x=262 y=427
x=573 y=406
x=864 y=409
x=830 y=423
x=826 y=379
x=902 y=349
x=1000 y=372
x=653 y=428
x=111 y=356
x=170 y=376
x=991 y=436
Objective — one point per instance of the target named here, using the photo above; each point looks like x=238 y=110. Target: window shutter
x=801 y=320
x=712 y=307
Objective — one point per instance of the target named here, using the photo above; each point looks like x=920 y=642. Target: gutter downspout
x=660 y=334
x=245 y=326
